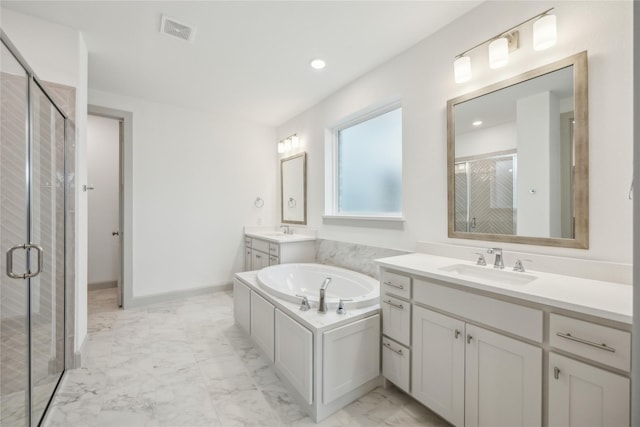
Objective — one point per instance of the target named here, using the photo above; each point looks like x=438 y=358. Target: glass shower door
x=14 y=293
x=46 y=230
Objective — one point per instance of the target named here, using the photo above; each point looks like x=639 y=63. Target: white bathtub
x=288 y=280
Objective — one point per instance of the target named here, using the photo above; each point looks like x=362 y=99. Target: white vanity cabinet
x=261 y=253
x=502 y=376
x=482 y=358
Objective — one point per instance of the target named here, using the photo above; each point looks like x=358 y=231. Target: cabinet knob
x=469 y=338
x=556 y=372
x=456 y=334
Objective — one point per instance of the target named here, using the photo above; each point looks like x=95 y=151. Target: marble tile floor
x=185 y=363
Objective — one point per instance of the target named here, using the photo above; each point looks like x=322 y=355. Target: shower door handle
x=28 y=275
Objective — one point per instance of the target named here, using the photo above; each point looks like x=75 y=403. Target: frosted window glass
x=370 y=166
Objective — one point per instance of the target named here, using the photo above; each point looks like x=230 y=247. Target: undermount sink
x=274 y=234
x=490 y=274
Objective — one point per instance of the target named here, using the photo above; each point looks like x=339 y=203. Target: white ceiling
x=249 y=59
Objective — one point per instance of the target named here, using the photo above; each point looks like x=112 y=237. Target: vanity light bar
x=544 y=36
x=288 y=144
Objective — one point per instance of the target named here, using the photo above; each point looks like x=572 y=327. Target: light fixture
x=462 y=69
x=544 y=32
x=295 y=141
x=287 y=144
x=477 y=123
x=280 y=147
x=544 y=36
x=498 y=53
x=318 y=64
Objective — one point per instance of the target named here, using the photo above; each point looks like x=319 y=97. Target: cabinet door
x=438 y=363
x=262 y=327
x=242 y=305
x=294 y=355
x=248 y=255
x=503 y=380
x=259 y=260
x=344 y=367
x=581 y=395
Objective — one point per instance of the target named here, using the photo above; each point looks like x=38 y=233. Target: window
x=367 y=155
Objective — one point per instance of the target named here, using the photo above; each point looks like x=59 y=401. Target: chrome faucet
x=322 y=305
x=499 y=263
x=286 y=229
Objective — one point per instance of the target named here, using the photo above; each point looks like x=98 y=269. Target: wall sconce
x=288 y=144
x=544 y=36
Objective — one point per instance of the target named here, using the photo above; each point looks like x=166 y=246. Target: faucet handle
x=341 y=309
x=304 y=304
x=481 y=260
x=519 y=266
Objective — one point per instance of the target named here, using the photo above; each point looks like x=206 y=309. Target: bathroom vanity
x=266 y=248
x=487 y=347
x=326 y=360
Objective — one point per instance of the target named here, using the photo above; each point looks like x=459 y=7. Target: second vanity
x=265 y=248
x=487 y=347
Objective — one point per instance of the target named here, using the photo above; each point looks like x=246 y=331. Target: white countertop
x=608 y=300
x=279 y=237
x=310 y=318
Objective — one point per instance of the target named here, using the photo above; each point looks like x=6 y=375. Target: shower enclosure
x=33 y=186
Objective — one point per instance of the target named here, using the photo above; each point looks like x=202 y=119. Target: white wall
x=58 y=54
x=492 y=139
x=103 y=163
x=195 y=179
x=423 y=78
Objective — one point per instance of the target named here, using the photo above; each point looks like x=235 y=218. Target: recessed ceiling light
x=318 y=64
x=477 y=123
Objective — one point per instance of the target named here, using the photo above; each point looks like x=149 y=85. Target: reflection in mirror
x=293 y=178
x=518 y=159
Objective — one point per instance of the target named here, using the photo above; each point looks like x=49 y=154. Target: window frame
x=332 y=214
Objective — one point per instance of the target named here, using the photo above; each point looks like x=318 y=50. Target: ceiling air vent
x=171 y=27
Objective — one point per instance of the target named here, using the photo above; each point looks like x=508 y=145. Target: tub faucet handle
x=341 y=309
x=304 y=304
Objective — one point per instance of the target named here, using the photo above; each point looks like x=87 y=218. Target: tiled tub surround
x=184 y=362
x=554 y=344
x=327 y=360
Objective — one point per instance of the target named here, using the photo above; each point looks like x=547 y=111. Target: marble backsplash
x=352 y=256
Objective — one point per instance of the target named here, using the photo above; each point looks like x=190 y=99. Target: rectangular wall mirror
x=293 y=177
x=518 y=159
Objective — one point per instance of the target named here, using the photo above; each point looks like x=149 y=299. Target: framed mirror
x=293 y=178
x=518 y=159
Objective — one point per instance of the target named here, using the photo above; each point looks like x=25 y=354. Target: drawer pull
x=393 y=285
x=391 y=303
x=456 y=334
x=469 y=338
x=556 y=373
x=386 y=344
x=587 y=342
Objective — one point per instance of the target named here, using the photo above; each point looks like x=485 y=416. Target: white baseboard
x=174 y=295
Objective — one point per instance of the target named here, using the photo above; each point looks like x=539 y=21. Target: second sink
x=490 y=274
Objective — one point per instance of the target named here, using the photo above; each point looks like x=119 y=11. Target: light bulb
x=544 y=32
x=462 y=69
x=280 y=147
x=295 y=141
x=287 y=144
x=499 y=53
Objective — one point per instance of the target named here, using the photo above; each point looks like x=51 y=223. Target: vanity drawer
x=396 y=319
x=274 y=249
x=516 y=319
x=396 y=284
x=396 y=360
x=590 y=340
x=260 y=245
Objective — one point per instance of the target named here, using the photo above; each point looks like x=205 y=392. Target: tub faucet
x=498 y=262
x=322 y=305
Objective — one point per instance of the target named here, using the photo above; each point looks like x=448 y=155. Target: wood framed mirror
x=518 y=159
x=293 y=178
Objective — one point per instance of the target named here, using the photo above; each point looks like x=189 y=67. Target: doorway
x=104 y=272
x=121 y=124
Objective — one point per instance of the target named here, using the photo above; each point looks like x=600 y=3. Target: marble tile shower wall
x=352 y=256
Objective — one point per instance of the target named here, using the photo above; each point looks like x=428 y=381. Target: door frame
x=126 y=198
